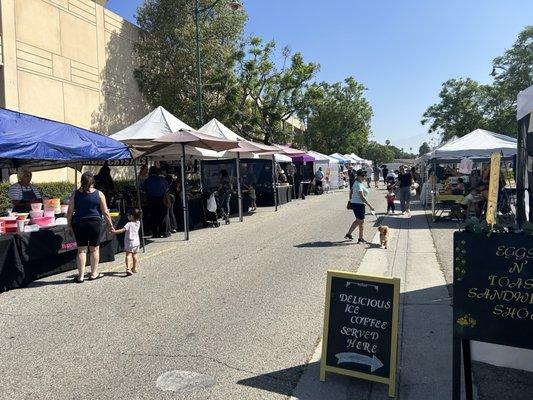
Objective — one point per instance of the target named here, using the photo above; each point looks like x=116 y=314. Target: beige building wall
x=71 y=61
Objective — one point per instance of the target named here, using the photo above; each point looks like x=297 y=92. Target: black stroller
x=210 y=218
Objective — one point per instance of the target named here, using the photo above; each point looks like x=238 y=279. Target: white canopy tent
x=477 y=145
x=330 y=165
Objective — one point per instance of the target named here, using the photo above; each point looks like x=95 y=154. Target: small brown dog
x=383 y=235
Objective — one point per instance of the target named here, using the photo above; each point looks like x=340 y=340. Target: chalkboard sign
x=493 y=288
x=360 y=327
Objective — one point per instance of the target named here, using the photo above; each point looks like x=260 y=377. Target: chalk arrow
x=373 y=362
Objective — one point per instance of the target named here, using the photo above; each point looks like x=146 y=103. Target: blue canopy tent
x=30 y=140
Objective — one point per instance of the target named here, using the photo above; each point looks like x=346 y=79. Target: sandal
x=77 y=279
x=93 y=278
x=129 y=272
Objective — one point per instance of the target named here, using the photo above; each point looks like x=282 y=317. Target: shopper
x=357 y=203
x=85 y=212
x=131 y=240
x=368 y=176
x=385 y=173
x=224 y=195
x=405 y=181
x=103 y=181
x=156 y=188
x=319 y=176
x=390 y=196
x=376 y=171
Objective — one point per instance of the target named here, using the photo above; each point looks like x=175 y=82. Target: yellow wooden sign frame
x=494 y=183
x=391 y=380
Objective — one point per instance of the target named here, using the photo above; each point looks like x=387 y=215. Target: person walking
x=390 y=196
x=377 y=171
x=86 y=209
x=405 y=181
x=319 y=176
x=357 y=203
x=131 y=240
x=368 y=174
x=385 y=171
x=224 y=195
x=156 y=187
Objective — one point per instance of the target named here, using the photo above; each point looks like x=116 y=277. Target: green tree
x=378 y=153
x=338 y=117
x=267 y=93
x=460 y=109
x=513 y=72
x=424 y=149
x=167 y=56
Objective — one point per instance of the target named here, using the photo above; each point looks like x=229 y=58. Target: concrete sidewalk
x=425 y=332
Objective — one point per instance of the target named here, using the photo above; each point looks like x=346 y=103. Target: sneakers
x=361 y=240
x=348 y=236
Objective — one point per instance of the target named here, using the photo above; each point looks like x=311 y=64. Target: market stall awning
x=28 y=139
x=289 y=151
x=341 y=158
x=319 y=157
x=477 y=145
x=246 y=148
x=303 y=158
x=154 y=125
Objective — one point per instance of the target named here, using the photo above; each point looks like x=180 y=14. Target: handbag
x=412 y=191
x=167 y=201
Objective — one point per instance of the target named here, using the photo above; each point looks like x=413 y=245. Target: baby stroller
x=210 y=217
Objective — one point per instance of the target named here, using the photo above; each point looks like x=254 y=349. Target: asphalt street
x=241 y=304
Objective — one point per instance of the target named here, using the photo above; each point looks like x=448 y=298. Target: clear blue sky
x=401 y=50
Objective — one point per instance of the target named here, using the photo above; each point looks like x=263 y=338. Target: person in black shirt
x=351 y=176
x=385 y=173
x=405 y=181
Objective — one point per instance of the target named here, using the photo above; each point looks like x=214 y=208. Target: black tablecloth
x=25 y=257
x=266 y=198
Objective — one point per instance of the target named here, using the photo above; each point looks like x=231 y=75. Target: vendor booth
x=330 y=167
x=40 y=246
x=461 y=165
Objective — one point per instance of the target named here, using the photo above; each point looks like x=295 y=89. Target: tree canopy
x=268 y=94
x=167 y=65
x=338 y=117
x=424 y=149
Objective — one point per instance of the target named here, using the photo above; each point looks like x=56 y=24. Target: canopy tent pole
x=138 y=190
x=274 y=182
x=239 y=189
x=185 y=204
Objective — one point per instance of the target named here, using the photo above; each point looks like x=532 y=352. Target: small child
x=253 y=197
x=326 y=185
x=131 y=240
x=391 y=196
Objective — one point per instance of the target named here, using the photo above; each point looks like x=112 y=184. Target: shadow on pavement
x=326 y=244
x=282 y=382
x=425 y=362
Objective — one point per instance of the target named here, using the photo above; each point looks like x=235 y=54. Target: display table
x=266 y=199
x=25 y=257
x=446 y=203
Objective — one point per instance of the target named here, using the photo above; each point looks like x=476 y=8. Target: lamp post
x=494 y=73
x=232 y=5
